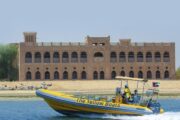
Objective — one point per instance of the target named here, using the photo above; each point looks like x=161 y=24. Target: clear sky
x=72 y=20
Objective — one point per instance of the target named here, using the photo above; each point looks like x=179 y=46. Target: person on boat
x=118 y=97
x=127 y=93
x=135 y=97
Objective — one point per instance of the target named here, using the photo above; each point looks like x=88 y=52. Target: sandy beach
x=167 y=87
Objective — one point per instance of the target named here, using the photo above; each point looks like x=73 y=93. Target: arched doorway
x=65 y=75
x=38 y=75
x=140 y=74
x=113 y=74
x=131 y=74
x=102 y=75
x=47 y=75
x=28 y=75
x=56 y=75
x=74 y=75
x=95 y=75
x=83 y=75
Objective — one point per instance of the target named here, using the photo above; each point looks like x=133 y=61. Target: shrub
x=8 y=62
x=178 y=73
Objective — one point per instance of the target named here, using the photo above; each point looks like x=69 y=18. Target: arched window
x=113 y=57
x=65 y=75
x=74 y=75
x=74 y=57
x=38 y=75
x=149 y=75
x=122 y=57
x=113 y=74
x=83 y=75
x=166 y=74
x=65 y=57
x=37 y=57
x=56 y=75
x=122 y=73
x=157 y=57
x=28 y=75
x=131 y=74
x=158 y=74
x=148 y=57
x=28 y=57
x=83 y=58
x=98 y=57
x=140 y=57
x=46 y=57
x=166 y=57
x=98 y=54
x=47 y=75
x=102 y=75
x=95 y=75
x=131 y=57
x=56 y=57
x=140 y=74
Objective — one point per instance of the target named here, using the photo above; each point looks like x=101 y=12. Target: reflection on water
x=39 y=110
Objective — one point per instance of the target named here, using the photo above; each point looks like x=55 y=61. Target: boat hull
x=70 y=105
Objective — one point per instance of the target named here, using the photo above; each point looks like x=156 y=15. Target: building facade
x=96 y=58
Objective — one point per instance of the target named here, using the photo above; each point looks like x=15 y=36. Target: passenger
x=135 y=97
x=127 y=94
x=118 y=98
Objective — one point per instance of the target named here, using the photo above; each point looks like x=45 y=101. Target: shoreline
x=85 y=87
x=31 y=94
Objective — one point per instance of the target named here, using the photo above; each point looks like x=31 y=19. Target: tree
x=8 y=62
x=178 y=73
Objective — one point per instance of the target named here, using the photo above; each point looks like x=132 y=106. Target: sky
x=73 y=20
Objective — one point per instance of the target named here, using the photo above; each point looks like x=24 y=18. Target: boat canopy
x=130 y=78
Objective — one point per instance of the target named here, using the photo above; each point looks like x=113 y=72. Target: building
x=96 y=58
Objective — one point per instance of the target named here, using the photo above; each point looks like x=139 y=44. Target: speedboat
x=146 y=102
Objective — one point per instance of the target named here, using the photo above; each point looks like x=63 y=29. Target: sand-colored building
x=96 y=58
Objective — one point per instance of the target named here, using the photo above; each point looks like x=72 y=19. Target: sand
x=167 y=87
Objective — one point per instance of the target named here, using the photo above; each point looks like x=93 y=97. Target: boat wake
x=164 y=116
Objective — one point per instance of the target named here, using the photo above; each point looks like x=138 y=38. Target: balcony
x=139 y=59
x=166 y=59
x=28 y=60
x=148 y=59
x=37 y=60
x=157 y=59
x=55 y=60
x=131 y=60
x=122 y=59
x=113 y=60
x=83 y=60
x=74 y=60
x=46 y=60
x=65 y=60
x=98 y=59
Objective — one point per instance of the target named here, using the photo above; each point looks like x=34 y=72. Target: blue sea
x=37 y=109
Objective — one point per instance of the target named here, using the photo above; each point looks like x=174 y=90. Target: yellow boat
x=73 y=105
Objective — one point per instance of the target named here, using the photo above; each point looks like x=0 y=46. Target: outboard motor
x=154 y=106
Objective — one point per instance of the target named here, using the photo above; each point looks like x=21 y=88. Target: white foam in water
x=164 y=116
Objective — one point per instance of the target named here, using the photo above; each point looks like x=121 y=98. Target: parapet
x=125 y=42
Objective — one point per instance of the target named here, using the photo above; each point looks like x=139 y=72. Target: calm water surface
x=36 y=109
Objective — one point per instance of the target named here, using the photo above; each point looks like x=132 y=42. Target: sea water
x=37 y=109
